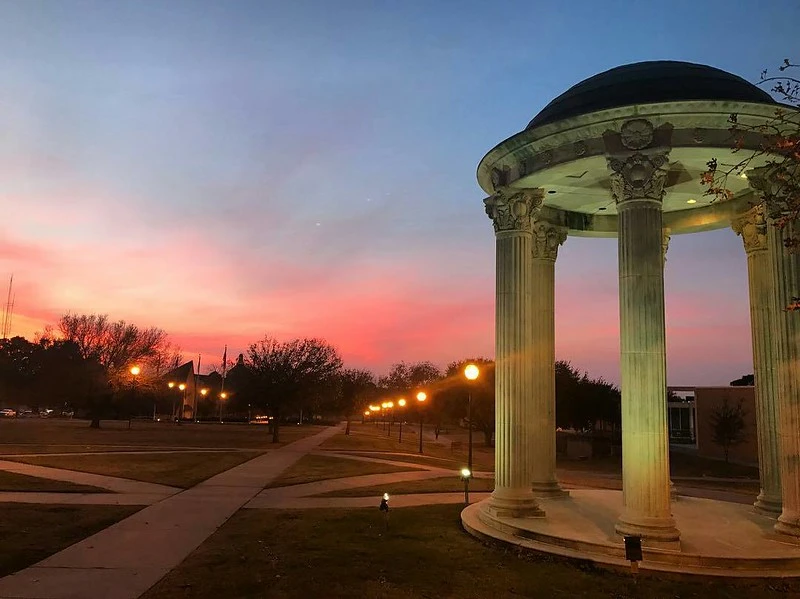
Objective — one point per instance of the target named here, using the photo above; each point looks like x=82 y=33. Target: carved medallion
x=636 y=134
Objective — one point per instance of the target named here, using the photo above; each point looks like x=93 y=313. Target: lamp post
x=222 y=397
x=471 y=372
x=389 y=406
x=384 y=407
x=421 y=397
x=466 y=474
x=203 y=393
x=182 y=387
x=401 y=403
x=171 y=385
x=135 y=371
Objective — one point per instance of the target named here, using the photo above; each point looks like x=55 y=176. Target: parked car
x=7 y=413
x=68 y=413
x=46 y=413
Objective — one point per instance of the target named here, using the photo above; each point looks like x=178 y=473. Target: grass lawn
x=311 y=468
x=434 y=485
x=30 y=533
x=681 y=464
x=348 y=553
x=174 y=469
x=35 y=435
x=11 y=481
x=369 y=437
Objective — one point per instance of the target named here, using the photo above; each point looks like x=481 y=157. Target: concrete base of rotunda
x=718 y=538
x=771 y=506
x=513 y=503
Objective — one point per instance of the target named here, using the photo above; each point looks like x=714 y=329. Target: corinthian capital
x=546 y=240
x=752 y=227
x=511 y=209
x=638 y=176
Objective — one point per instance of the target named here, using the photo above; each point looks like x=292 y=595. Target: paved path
x=126 y=559
x=112 y=483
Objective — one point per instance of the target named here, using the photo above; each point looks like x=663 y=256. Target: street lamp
x=135 y=370
x=401 y=403
x=389 y=406
x=222 y=397
x=384 y=406
x=471 y=372
x=182 y=387
x=421 y=397
x=466 y=474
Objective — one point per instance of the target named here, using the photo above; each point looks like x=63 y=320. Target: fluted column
x=546 y=240
x=637 y=182
x=665 y=238
x=511 y=213
x=786 y=331
x=752 y=227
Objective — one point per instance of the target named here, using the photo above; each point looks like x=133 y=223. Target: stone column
x=511 y=212
x=546 y=240
x=665 y=237
x=637 y=182
x=786 y=333
x=752 y=227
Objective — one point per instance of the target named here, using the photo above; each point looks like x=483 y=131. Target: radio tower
x=8 y=311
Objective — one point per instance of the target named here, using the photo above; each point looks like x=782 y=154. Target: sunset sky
x=224 y=170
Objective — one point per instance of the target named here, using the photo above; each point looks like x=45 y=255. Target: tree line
x=84 y=362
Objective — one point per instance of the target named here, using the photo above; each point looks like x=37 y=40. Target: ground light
x=466 y=474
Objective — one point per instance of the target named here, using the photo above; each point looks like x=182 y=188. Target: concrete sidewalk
x=126 y=559
x=112 y=483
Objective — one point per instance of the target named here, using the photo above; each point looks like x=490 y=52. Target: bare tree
x=728 y=426
x=116 y=347
x=355 y=386
x=286 y=373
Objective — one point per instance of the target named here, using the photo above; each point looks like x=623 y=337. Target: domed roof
x=649 y=83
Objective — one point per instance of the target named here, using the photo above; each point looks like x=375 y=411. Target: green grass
x=173 y=469
x=452 y=484
x=348 y=553
x=11 y=481
x=30 y=533
x=36 y=435
x=312 y=468
x=369 y=437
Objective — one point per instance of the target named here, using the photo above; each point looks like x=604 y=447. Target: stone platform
x=718 y=538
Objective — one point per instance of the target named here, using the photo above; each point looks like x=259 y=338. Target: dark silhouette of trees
x=581 y=402
x=728 y=426
x=115 y=347
x=287 y=373
x=356 y=388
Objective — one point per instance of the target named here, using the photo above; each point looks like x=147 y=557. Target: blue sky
x=229 y=169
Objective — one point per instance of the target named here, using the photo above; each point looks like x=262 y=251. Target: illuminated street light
x=401 y=403
x=222 y=397
x=471 y=371
x=421 y=397
x=170 y=384
x=466 y=474
x=203 y=392
x=135 y=370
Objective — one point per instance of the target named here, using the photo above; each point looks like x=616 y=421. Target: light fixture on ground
x=466 y=474
x=421 y=397
x=471 y=372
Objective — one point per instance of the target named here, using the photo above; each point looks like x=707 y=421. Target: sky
x=227 y=170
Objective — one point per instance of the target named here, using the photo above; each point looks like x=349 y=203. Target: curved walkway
x=126 y=559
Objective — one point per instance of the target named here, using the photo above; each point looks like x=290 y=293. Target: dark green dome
x=649 y=83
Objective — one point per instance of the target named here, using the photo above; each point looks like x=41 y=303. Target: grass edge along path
x=29 y=533
x=315 y=467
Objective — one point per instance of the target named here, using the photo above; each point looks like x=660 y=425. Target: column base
x=660 y=533
x=788 y=524
x=548 y=490
x=767 y=505
x=514 y=504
